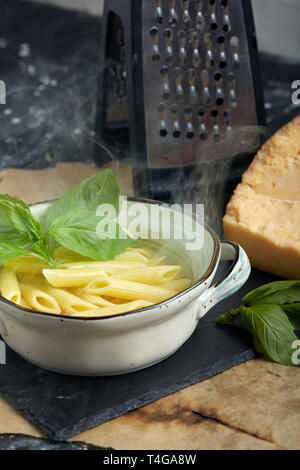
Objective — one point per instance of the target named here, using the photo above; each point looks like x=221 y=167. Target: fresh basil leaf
x=10 y=250
x=77 y=231
x=273 y=333
x=230 y=316
x=100 y=188
x=293 y=312
x=279 y=292
x=19 y=219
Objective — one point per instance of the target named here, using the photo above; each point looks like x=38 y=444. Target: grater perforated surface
x=197 y=79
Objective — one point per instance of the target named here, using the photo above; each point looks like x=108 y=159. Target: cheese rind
x=263 y=215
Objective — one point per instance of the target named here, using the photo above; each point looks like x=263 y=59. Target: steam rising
x=208 y=182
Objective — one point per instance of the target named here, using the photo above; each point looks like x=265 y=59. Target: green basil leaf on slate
x=230 y=316
x=293 y=312
x=273 y=333
x=278 y=292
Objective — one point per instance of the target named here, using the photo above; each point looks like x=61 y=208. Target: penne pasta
x=153 y=275
x=94 y=299
x=79 y=286
x=9 y=285
x=132 y=256
x=116 y=309
x=128 y=290
x=38 y=299
x=24 y=304
x=178 y=285
x=71 y=277
x=155 y=260
x=143 y=251
x=106 y=266
x=68 y=302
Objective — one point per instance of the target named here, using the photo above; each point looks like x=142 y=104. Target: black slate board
x=62 y=406
x=23 y=442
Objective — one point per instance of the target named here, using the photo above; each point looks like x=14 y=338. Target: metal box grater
x=179 y=77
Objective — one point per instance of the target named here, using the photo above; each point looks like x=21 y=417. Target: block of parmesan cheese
x=263 y=215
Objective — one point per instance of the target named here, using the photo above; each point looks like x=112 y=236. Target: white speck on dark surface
x=3 y=43
x=15 y=120
x=7 y=112
x=31 y=70
x=24 y=50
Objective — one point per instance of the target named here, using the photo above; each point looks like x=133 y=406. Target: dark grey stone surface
x=24 y=442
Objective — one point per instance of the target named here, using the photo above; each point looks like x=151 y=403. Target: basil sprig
x=70 y=221
x=271 y=313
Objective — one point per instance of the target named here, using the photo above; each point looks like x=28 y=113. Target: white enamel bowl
x=134 y=340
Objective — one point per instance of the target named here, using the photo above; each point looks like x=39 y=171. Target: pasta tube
x=149 y=275
x=68 y=302
x=116 y=309
x=105 y=266
x=9 y=285
x=38 y=299
x=178 y=284
x=71 y=277
x=155 y=260
x=128 y=290
x=91 y=298
x=23 y=303
x=131 y=256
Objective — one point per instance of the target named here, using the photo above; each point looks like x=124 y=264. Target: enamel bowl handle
x=234 y=280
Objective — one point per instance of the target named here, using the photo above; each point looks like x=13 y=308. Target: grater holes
x=168 y=33
x=223 y=64
x=214 y=113
x=154 y=32
x=201 y=112
x=158 y=12
x=176 y=126
x=173 y=18
x=188 y=113
x=230 y=77
x=235 y=43
x=162 y=121
x=203 y=136
x=164 y=70
x=221 y=40
x=227 y=114
x=220 y=101
x=190 y=135
x=168 y=37
x=218 y=77
x=224 y=3
x=155 y=51
x=226 y=28
x=213 y=26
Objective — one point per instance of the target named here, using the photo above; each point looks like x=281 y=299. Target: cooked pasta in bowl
x=93 y=317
